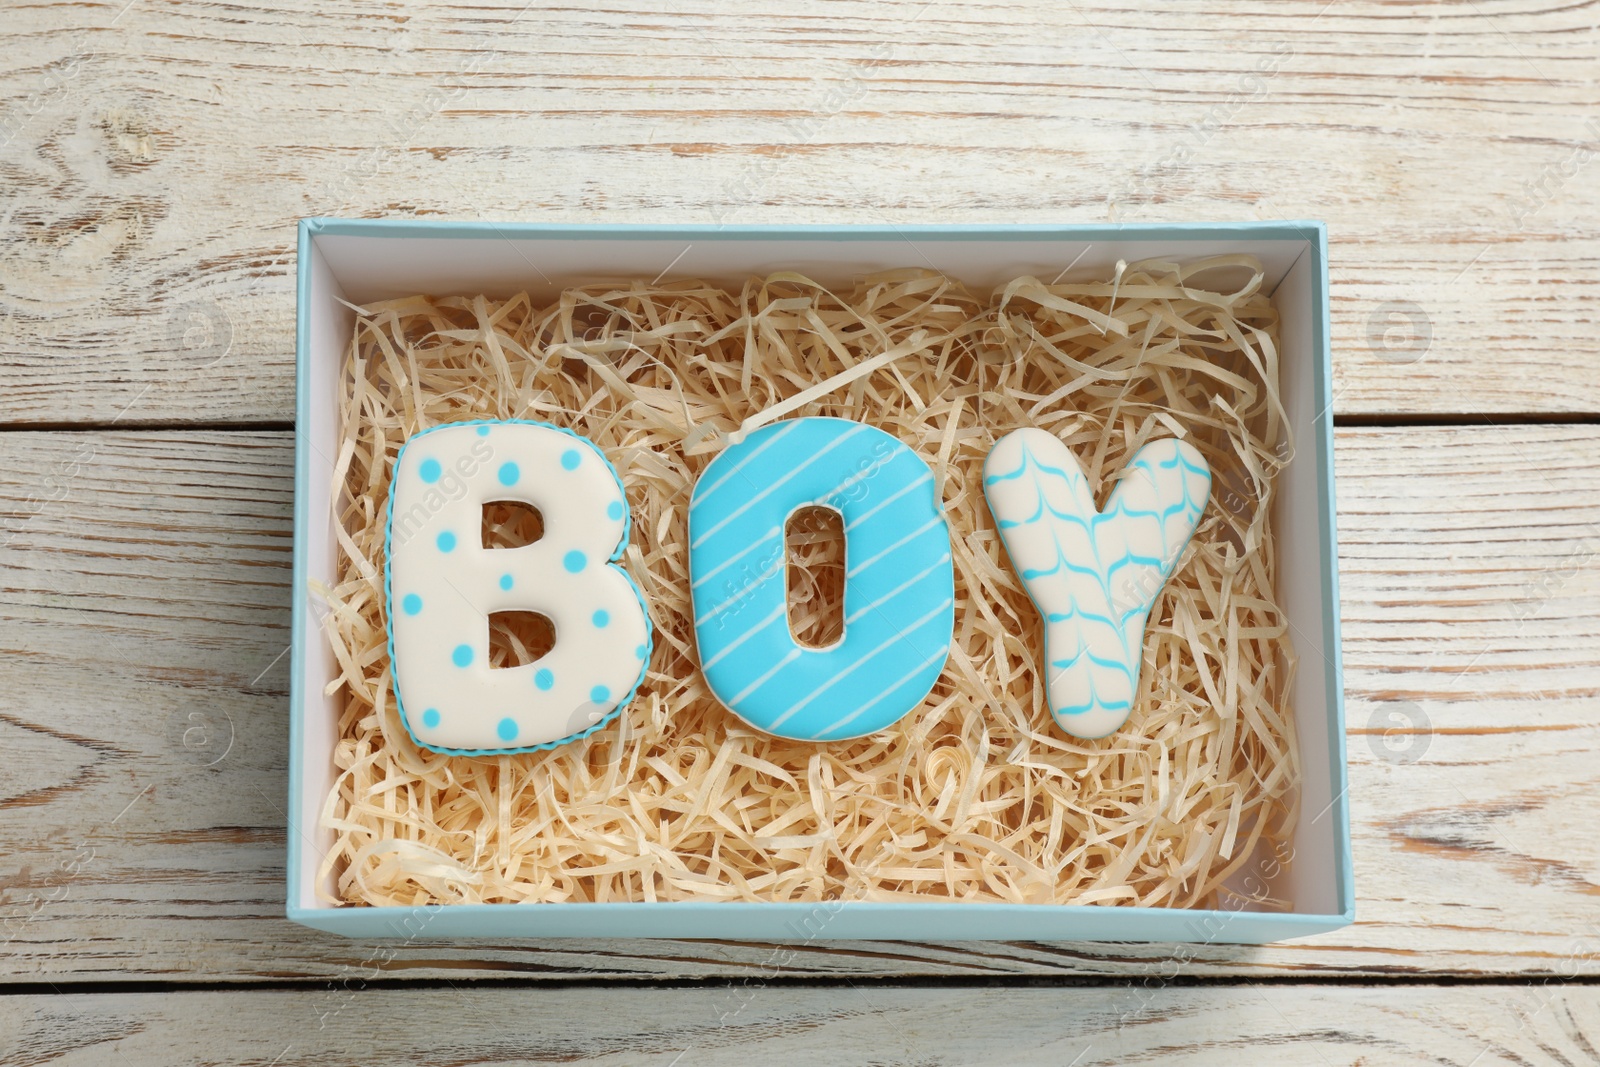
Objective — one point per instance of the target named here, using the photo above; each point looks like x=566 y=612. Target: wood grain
x=143 y=620
x=739 y=1024
x=154 y=157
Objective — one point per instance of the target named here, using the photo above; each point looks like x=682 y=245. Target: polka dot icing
x=600 y=694
x=642 y=652
x=451 y=698
x=429 y=470
x=411 y=604
x=899 y=595
x=602 y=617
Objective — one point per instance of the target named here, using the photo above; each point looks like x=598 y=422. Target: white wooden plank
x=143 y=617
x=740 y=1024
x=155 y=157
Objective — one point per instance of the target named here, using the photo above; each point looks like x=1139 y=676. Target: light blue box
x=365 y=260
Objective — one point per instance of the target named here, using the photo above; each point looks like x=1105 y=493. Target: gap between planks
x=1399 y=420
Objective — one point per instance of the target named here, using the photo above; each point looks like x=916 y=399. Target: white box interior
x=362 y=269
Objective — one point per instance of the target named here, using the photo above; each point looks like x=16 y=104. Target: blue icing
x=543 y=678
x=506 y=581
x=462 y=656
x=570 y=459
x=602 y=617
x=574 y=561
x=899 y=598
x=483 y=431
x=429 y=470
x=507 y=729
x=508 y=474
x=411 y=604
x=600 y=694
x=614 y=510
x=446 y=541
x=430 y=718
x=642 y=651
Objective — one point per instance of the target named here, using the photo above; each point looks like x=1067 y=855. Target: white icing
x=1093 y=575
x=443 y=585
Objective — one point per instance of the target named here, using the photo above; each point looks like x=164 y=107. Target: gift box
x=351 y=262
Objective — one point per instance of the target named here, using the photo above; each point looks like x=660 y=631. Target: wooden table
x=156 y=154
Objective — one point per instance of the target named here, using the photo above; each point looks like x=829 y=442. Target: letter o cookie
x=899 y=597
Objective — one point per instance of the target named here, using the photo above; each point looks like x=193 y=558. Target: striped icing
x=1093 y=575
x=899 y=599
x=442 y=586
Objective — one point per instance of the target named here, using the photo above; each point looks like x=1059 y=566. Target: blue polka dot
x=430 y=718
x=574 y=561
x=507 y=729
x=544 y=679
x=599 y=694
x=483 y=431
x=505 y=581
x=462 y=656
x=614 y=510
x=569 y=459
x=602 y=617
x=509 y=473
x=642 y=651
x=411 y=604
x=429 y=470
x=446 y=542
